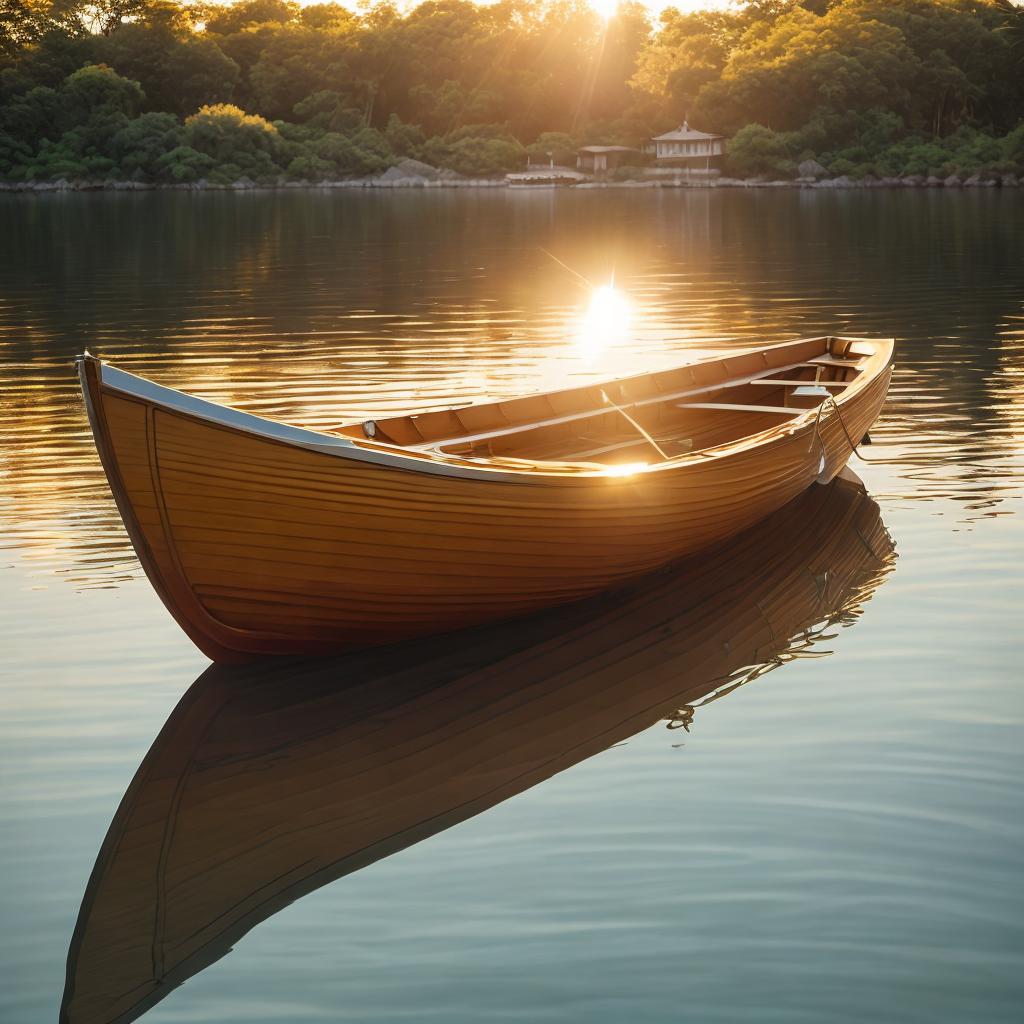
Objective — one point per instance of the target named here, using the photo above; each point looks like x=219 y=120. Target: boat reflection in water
x=268 y=782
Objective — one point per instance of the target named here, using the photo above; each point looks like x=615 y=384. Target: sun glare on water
x=605 y=322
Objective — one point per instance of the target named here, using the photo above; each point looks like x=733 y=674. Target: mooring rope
x=854 y=446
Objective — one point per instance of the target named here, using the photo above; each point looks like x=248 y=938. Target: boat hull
x=262 y=545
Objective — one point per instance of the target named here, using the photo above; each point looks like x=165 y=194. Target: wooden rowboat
x=264 y=538
x=270 y=781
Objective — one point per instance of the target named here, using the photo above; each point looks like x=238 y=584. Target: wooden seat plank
x=437 y=445
x=733 y=407
x=803 y=383
x=849 y=364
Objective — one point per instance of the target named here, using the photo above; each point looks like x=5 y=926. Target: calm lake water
x=472 y=837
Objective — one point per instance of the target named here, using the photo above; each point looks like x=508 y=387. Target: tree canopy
x=160 y=90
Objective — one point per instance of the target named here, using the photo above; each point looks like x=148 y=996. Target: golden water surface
x=840 y=842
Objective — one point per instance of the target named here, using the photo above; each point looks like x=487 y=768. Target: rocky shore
x=414 y=174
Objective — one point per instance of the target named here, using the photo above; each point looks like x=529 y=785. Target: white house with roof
x=689 y=148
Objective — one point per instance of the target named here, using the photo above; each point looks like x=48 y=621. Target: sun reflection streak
x=606 y=321
x=625 y=469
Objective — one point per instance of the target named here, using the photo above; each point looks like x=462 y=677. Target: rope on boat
x=854 y=446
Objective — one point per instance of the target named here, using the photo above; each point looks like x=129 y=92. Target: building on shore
x=687 y=149
x=599 y=160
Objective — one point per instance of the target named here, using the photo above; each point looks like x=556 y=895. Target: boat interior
x=651 y=417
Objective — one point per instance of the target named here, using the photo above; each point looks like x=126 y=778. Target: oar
x=654 y=444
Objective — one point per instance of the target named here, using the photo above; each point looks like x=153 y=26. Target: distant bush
x=90 y=128
x=480 y=157
x=329 y=110
x=239 y=144
x=404 y=139
x=964 y=152
x=309 y=168
x=628 y=172
x=73 y=127
x=553 y=145
x=756 y=150
x=183 y=164
x=476 y=151
x=140 y=146
x=348 y=156
x=97 y=90
x=15 y=155
x=33 y=116
x=1013 y=147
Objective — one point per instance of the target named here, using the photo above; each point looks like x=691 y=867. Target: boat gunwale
x=397 y=457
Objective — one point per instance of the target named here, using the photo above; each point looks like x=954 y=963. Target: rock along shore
x=425 y=177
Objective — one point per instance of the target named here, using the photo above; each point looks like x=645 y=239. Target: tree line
x=164 y=91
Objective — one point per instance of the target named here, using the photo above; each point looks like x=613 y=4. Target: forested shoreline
x=264 y=92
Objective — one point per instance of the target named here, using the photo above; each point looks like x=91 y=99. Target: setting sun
x=606 y=8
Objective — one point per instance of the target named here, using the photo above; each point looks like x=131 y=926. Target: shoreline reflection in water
x=268 y=782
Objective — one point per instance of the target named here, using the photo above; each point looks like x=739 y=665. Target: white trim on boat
x=414 y=461
x=179 y=401
x=329 y=444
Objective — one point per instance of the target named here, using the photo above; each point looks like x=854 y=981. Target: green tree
x=227 y=19
x=689 y=51
x=48 y=61
x=935 y=63
x=33 y=115
x=239 y=144
x=101 y=17
x=1013 y=147
x=346 y=155
x=98 y=90
x=15 y=156
x=757 y=150
x=328 y=110
x=297 y=61
x=327 y=16
x=404 y=139
x=22 y=23
x=178 y=69
x=141 y=145
x=184 y=164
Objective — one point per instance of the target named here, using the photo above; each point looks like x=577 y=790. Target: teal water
x=839 y=840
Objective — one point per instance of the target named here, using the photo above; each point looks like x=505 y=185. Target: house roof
x=608 y=149
x=684 y=134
